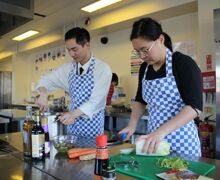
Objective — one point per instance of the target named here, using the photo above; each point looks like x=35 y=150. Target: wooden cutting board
x=148 y=167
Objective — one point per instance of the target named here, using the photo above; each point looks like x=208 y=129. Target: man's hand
x=68 y=118
x=41 y=100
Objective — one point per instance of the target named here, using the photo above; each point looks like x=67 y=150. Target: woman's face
x=148 y=50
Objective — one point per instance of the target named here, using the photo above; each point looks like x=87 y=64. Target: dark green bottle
x=38 y=139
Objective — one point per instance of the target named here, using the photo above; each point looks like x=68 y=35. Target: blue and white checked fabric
x=164 y=102
x=80 y=87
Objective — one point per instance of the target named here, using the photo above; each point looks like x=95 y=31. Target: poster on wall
x=135 y=64
x=208 y=81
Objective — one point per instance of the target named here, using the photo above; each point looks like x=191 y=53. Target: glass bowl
x=63 y=143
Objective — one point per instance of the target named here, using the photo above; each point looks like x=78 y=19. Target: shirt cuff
x=87 y=113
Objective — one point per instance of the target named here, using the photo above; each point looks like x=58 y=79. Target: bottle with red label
x=101 y=160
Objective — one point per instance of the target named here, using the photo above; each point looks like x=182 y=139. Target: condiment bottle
x=44 y=122
x=101 y=155
x=27 y=129
x=38 y=139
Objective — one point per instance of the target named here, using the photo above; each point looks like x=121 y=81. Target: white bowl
x=126 y=150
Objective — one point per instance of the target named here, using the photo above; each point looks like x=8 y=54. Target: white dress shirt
x=58 y=79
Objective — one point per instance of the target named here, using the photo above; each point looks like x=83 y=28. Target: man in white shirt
x=86 y=79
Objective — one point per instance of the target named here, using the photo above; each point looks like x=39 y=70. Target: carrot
x=75 y=150
x=74 y=153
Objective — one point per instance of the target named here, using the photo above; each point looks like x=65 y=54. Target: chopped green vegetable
x=164 y=148
x=173 y=163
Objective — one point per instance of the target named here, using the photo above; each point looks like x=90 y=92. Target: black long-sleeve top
x=187 y=75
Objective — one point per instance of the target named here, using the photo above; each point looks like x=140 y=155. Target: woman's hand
x=129 y=130
x=152 y=141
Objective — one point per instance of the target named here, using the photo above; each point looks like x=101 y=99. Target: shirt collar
x=85 y=66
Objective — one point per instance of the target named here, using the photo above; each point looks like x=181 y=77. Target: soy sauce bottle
x=38 y=139
x=101 y=156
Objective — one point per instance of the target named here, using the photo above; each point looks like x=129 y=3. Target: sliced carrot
x=83 y=151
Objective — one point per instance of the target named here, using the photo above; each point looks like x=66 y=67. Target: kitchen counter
x=115 y=121
x=118 y=120
x=13 y=114
x=15 y=117
x=58 y=166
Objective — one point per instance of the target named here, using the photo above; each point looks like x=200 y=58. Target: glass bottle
x=26 y=132
x=44 y=122
x=38 y=139
x=101 y=155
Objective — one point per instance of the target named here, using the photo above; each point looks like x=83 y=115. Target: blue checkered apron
x=80 y=89
x=164 y=102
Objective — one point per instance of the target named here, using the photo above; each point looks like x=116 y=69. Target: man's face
x=78 y=52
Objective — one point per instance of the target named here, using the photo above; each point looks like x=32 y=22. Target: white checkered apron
x=80 y=88
x=164 y=102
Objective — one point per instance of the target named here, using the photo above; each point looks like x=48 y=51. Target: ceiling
x=52 y=14
x=58 y=14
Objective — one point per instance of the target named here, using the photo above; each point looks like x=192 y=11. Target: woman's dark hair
x=115 y=78
x=146 y=28
x=80 y=34
x=168 y=41
x=149 y=29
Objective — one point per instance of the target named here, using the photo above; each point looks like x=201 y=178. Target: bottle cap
x=101 y=140
x=28 y=107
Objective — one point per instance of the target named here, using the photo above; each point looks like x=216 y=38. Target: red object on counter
x=101 y=155
x=101 y=140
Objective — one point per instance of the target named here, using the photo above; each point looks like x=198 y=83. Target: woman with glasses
x=170 y=86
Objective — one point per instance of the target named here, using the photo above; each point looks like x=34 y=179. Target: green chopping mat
x=148 y=167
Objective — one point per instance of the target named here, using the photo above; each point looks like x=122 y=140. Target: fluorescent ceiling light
x=98 y=5
x=25 y=35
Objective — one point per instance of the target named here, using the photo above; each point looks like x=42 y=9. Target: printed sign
x=208 y=81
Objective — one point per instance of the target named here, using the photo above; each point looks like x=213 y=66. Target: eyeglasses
x=144 y=51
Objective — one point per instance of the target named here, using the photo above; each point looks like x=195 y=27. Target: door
x=5 y=89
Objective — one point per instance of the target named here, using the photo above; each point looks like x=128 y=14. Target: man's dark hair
x=115 y=78
x=80 y=34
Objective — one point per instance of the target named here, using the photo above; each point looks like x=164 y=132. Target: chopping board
x=148 y=167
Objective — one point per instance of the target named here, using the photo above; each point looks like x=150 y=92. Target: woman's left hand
x=67 y=118
x=152 y=141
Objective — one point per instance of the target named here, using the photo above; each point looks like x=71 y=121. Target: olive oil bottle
x=27 y=130
x=38 y=139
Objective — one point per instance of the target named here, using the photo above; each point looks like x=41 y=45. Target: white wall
x=6 y=64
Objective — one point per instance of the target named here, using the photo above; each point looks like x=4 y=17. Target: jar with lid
x=109 y=173
x=101 y=156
